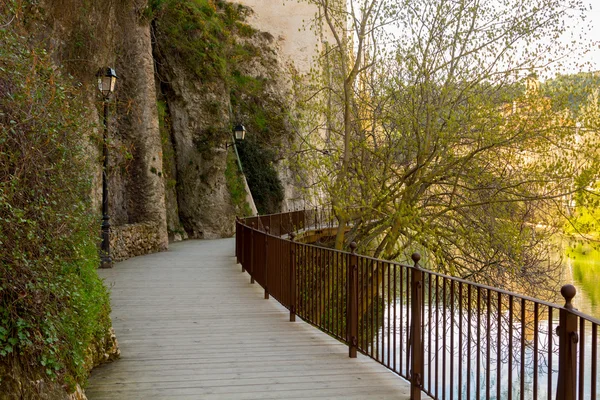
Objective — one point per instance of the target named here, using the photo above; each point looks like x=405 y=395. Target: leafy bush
x=204 y=37
x=53 y=306
x=199 y=33
x=235 y=185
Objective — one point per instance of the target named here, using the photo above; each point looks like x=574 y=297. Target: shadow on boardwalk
x=191 y=326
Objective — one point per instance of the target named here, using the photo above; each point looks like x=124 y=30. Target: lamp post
x=107 y=78
x=239 y=133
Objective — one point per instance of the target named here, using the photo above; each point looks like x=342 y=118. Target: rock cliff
x=188 y=72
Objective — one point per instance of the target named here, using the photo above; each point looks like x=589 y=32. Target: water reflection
x=469 y=345
x=582 y=268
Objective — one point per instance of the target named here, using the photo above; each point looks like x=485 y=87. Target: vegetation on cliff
x=53 y=306
x=212 y=41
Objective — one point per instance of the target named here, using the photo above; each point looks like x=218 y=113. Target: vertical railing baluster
x=549 y=336
x=396 y=369
x=429 y=329
x=252 y=254
x=510 y=345
x=376 y=333
x=416 y=347
x=408 y=319
x=266 y=276
x=444 y=324
x=523 y=328
x=352 y=307
x=488 y=339
x=451 y=322
x=536 y=311
x=389 y=308
x=437 y=335
x=499 y=349
x=468 y=344
x=594 y=371
x=567 y=349
x=460 y=350
x=581 y=358
x=478 y=370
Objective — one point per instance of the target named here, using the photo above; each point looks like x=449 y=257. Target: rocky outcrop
x=137 y=188
x=204 y=108
x=200 y=128
x=105 y=351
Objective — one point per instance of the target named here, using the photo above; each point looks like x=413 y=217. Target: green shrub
x=53 y=306
x=263 y=179
x=204 y=37
x=235 y=185
x=198 y=33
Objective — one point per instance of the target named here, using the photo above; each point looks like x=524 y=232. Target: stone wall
x=133 y=240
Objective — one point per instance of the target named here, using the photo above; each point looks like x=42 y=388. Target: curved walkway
x=191 y=326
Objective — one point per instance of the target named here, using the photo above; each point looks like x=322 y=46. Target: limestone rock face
x=138 y=192
x=202 y=111
x=200 y=128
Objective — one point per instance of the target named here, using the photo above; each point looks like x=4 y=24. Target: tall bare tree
x=442 y=139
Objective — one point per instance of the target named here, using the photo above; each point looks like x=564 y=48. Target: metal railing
x=452 y=339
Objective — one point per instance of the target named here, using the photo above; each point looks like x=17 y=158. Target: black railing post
x=252 y=254
x=292 y=277
x=266 y=262
x=352 y=306
x=416 y=354
x=239 y=239
x=567 y=347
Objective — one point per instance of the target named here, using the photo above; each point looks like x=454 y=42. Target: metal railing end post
x=567 y=347
x=292 y=277
x=416 y=345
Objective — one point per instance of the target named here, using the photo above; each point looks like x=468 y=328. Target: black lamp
x=107 y=79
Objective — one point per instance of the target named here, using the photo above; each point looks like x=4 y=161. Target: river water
x=582 y=269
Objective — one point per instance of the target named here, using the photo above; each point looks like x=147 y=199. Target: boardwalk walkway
x=191 y=326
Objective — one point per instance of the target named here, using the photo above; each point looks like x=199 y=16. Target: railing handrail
x=260 y=260
x=450 y=277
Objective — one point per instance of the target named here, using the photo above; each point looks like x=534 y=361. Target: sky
x=590 y=29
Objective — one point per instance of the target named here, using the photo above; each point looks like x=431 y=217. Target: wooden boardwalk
x=191 y=326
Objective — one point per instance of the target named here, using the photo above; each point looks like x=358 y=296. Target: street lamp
x=107 y=78
x=239 y=133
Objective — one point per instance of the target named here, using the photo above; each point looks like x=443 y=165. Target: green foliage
x=53 y=306
x=442 y=141
x=204 y=37
x=586 y=221
x=263 y=180
x=235 y=185
x=572 y=91
x=585 y=261
x=199 y=33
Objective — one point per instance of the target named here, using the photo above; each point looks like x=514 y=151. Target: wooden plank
x=190 y=325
